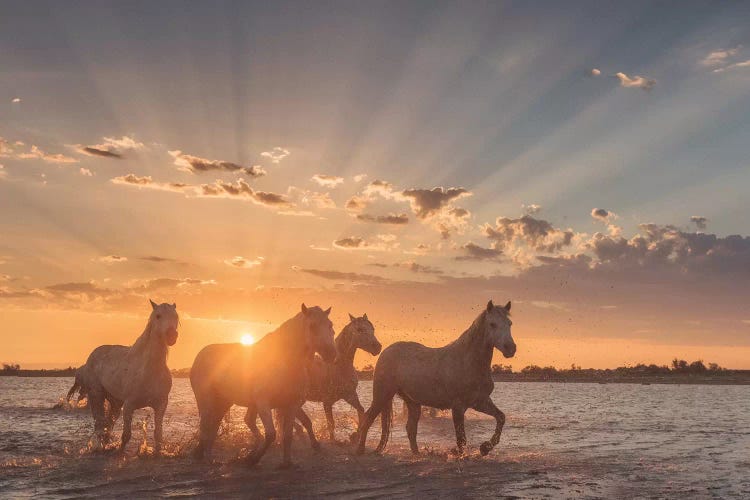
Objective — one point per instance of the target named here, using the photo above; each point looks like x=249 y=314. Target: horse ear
x=365 y=316
x=153 y=304
x=304 y=308
x=490 y=306
x=351 y=318
x=174 y=305
x=507 y=306
x=327 y=311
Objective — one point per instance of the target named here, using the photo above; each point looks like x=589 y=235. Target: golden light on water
x=247 y=339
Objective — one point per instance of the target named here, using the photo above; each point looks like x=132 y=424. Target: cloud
x=522 y=238
x=148 y=183
x=239 y=190
x=356 y=203
x=243 y=263
x=419 y=268
x=242 y=190
x=472 y=251
x=195 y=164
x=595 y=72
x=111 y=147
x=95 y=151
x=602 y=214
x=111 y=259
x=398 y=219
x=329 y=181
x=666 y=247
x=719 y=57
x=740 y=64
x=532 y=209
x=381 y=243
x=345 y=276
x=428 y=202
x=638 y=82
x=85 y=172
x=699 y=221
x=16 y=100
x=158 y=259
x=360 y=177
x=313 y=198
x=276 y=154
x=36 y=153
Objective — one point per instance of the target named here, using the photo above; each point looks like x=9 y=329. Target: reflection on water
x=560 y=439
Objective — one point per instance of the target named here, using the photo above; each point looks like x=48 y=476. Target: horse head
x=320 y=331
x=496 y=328
x=164 y=322
x=363 y=335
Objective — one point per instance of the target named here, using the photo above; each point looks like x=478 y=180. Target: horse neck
x=472 y=348
x=290 y=338
x=149 y=348
x=345 y=348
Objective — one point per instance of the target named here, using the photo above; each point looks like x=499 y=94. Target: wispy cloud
x=244 y=263
x=195 y=164
x=36 y=153
x=397 y=219
x=111 y=259
x=276 y=154
x=111 y=147
x=381 y=243
x=329 y=181
x=638 y=82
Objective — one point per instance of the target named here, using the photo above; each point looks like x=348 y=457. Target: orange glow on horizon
x=247 y=339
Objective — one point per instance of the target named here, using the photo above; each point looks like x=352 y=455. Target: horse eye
x=493 y=325
x=158 y=316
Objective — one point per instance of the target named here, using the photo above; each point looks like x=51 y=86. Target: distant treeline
x=680 y=371
x=10 y=370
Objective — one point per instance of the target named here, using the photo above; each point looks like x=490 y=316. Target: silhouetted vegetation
x=680 y=371
x=14 y=370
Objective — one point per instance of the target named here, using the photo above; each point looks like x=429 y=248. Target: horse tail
x=76 y=386
x=386 y=418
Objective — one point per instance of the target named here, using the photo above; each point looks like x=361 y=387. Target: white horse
x=129 y=378
x=456 y=377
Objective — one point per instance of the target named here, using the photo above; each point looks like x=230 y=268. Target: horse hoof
x=485 y=448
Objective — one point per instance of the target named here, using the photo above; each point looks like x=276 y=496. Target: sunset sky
x=588 y=162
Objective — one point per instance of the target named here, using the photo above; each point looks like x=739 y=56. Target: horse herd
x=299 y=361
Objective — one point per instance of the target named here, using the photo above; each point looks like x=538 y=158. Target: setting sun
x=247 y=339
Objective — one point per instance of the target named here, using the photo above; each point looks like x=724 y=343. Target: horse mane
x=286 y=336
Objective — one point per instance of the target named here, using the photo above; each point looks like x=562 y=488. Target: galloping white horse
x=456 y=377
x=132 y=377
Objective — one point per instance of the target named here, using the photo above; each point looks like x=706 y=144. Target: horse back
x=243 y=374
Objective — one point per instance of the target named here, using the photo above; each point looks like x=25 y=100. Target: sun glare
x=247 y=339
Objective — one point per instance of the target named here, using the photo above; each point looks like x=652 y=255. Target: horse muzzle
x=509 y=350
x=328 y=353
x=171 y=337
x=375 y=349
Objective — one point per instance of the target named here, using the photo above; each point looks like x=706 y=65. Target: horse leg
x=159 y=410
x=250 y=421
x=307 y=423
x=287 y=426
x=353 y=400
x=96 y=403
x=486 y=406
x=210 y=419
x=415 y=411
x=127 y=421
x=266 y=417
x=328 y=408
x=458 y=424
x=115 y=407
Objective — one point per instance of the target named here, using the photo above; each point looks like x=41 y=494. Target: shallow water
x=560 y=440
